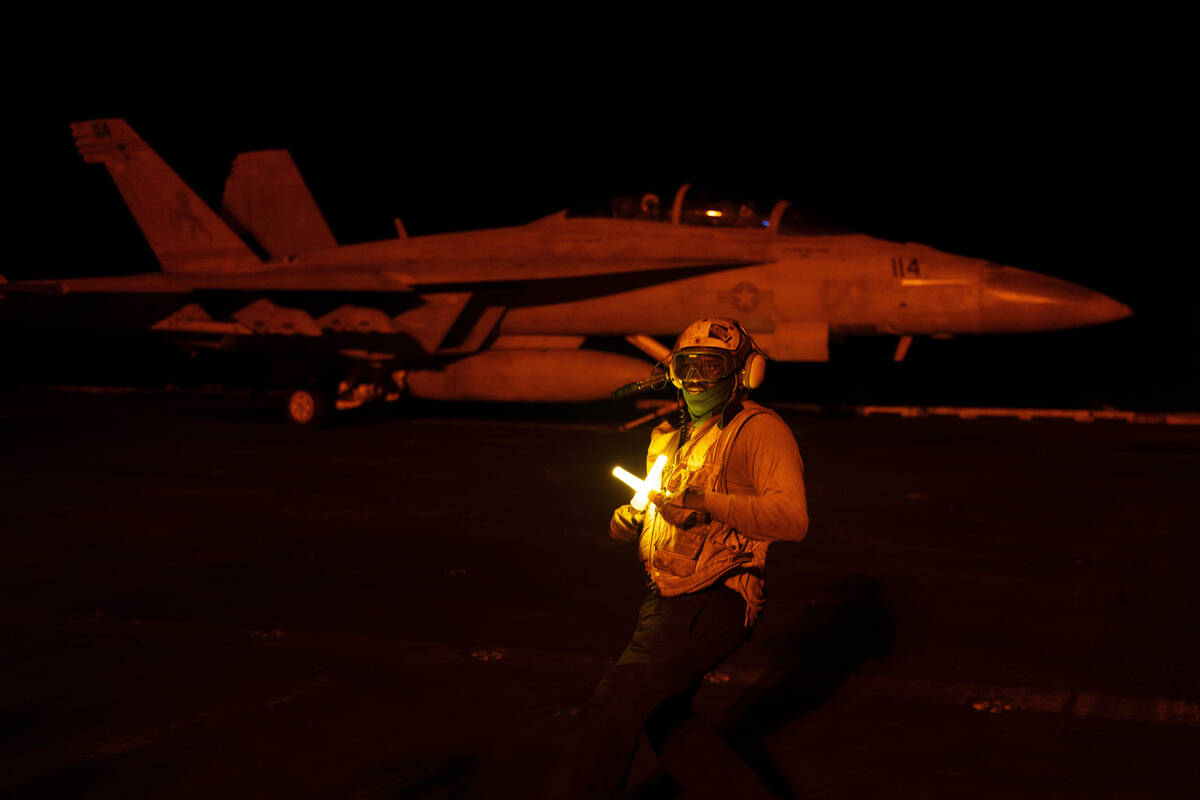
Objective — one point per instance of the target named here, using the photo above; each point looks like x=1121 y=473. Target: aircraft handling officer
x=733 y=484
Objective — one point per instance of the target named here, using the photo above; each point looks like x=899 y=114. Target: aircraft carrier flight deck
x=204 y=601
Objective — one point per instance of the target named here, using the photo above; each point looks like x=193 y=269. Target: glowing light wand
x=642 y=488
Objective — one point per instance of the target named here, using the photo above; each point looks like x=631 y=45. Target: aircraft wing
x=409 y=311
x=30 y=287
x=520 y=270
x=418 y=276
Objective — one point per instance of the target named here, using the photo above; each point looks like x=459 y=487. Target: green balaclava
x=703 y=405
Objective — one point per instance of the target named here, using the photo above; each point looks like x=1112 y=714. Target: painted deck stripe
x=1029 y=414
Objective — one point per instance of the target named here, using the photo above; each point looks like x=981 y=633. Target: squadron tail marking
x=184 y=233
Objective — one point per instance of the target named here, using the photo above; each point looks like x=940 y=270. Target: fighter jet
x=503 y=314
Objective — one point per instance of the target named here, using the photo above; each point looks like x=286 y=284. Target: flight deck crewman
x=734 y=482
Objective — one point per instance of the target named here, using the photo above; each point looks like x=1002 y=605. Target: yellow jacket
x=747 y=463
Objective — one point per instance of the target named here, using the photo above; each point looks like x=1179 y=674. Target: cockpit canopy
x=695 y=207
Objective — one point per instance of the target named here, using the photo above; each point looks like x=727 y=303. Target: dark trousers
x=677 y=641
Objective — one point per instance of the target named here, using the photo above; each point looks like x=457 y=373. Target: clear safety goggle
x=708 y=365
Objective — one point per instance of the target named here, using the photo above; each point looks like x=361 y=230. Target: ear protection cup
x=754 y=371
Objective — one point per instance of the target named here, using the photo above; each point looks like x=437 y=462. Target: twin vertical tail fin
x=267 y=200
x=184 y=233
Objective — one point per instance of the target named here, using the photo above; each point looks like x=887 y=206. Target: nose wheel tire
x=308 y=407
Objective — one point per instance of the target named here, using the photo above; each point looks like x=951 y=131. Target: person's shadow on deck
x=829 y=641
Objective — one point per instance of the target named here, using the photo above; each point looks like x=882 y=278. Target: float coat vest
x=679 y=560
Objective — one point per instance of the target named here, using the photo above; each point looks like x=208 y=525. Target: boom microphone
x=656 y=382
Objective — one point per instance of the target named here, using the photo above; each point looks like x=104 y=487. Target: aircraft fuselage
x=610 y=277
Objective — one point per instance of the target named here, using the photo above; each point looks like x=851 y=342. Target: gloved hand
x=671 y=508
x=626 y=523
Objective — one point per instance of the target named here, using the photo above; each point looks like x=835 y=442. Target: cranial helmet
x=713 y=348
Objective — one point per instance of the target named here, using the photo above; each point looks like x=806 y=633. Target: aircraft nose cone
x=1016 y=301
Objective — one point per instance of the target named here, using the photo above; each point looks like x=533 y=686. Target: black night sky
x=1061 y=172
